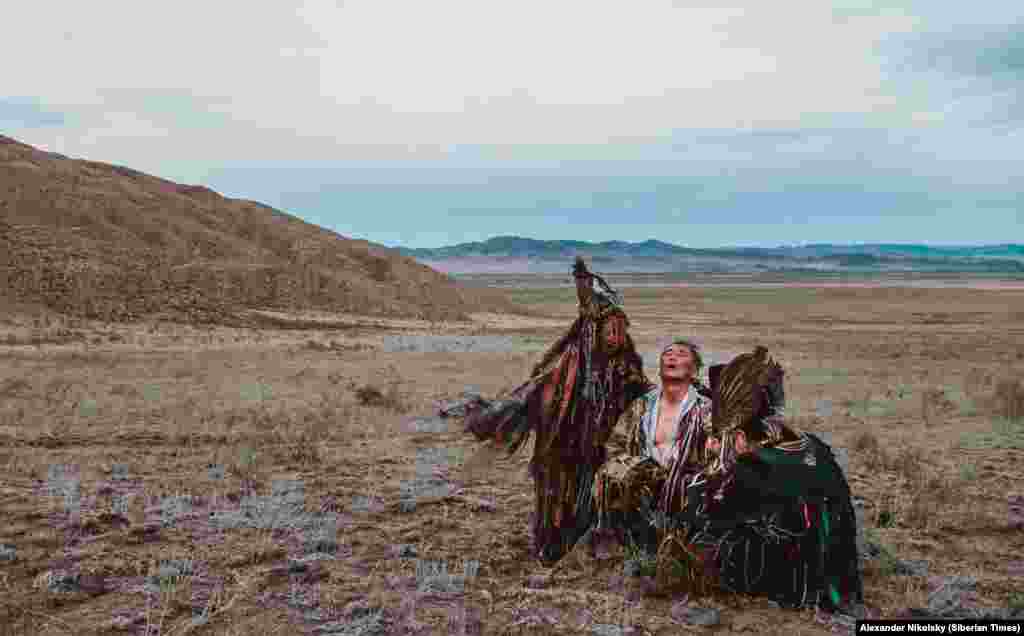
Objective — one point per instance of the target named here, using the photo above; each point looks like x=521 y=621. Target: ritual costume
x=776 y=520
x=638 y=489
x=571 y=402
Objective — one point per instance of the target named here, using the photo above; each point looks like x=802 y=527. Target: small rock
x=363 y=504
x=372 y=624
x=648 y=586
x=427 y=425
x=317 y=556
x=693 y=615
x=1015 y=569
x=165 y=573
x=604 y=629
x=953 y=596
x=842 y=624
x=405 y=551
x=638 y=587
x=481 y=505
x=277 y=571
x=126 y=622
x=616 y=583
x=858 y=611
x=584 y=619
x=912 y=567
x=407 y=506
x=146 y=531
x=963 y=583
x=870 y=550
x=299 y=571
x=1016 y=512
x=631 y=568
x=321 y=546
x=92 y=584
x=58 y=581
x=536 y=618
x=538 y=581
x=357 y=609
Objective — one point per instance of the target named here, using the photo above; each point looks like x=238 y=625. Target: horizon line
x=727 y=246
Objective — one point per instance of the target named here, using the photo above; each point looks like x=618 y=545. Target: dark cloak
x=585 y=390
x=784 y=527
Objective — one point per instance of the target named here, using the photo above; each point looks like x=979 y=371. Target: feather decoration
x=746 y=389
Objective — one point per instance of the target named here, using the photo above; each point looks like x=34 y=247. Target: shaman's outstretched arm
x=555 y=350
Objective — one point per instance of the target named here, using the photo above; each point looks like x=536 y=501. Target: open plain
x=162 y=478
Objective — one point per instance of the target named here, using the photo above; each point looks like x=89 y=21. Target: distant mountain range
x=514 y=254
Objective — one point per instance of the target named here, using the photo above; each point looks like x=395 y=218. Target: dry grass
x=390 y=399
x=259 y=406
x=1009 y=398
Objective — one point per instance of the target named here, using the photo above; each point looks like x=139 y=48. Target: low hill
x=106 y=242
x=513 y=254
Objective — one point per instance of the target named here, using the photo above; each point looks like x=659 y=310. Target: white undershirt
x=666 y=452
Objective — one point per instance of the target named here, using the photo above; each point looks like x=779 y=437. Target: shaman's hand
x=584 y=282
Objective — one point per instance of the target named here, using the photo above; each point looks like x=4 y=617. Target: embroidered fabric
x=783 y=526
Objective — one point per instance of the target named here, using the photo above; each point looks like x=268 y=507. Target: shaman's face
x=740 y=443
x=713 y=446
x=584 y=288
x=613 y=334
x=677 y=364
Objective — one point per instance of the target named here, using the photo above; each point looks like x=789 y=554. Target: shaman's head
x=584 y=281
x=747 y=396
x=614 y=333
x=680 y=362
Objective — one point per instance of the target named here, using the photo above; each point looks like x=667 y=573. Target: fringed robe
x=585 y=391
x=779 y=522
x=633 y=490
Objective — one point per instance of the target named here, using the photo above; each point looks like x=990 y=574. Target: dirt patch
x=309 y=504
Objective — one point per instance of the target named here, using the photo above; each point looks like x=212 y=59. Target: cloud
x=971 y=76
x=993 y=52
x=462 y=117
x=330 y=77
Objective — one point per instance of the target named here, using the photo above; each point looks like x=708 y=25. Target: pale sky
x=427 y=124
